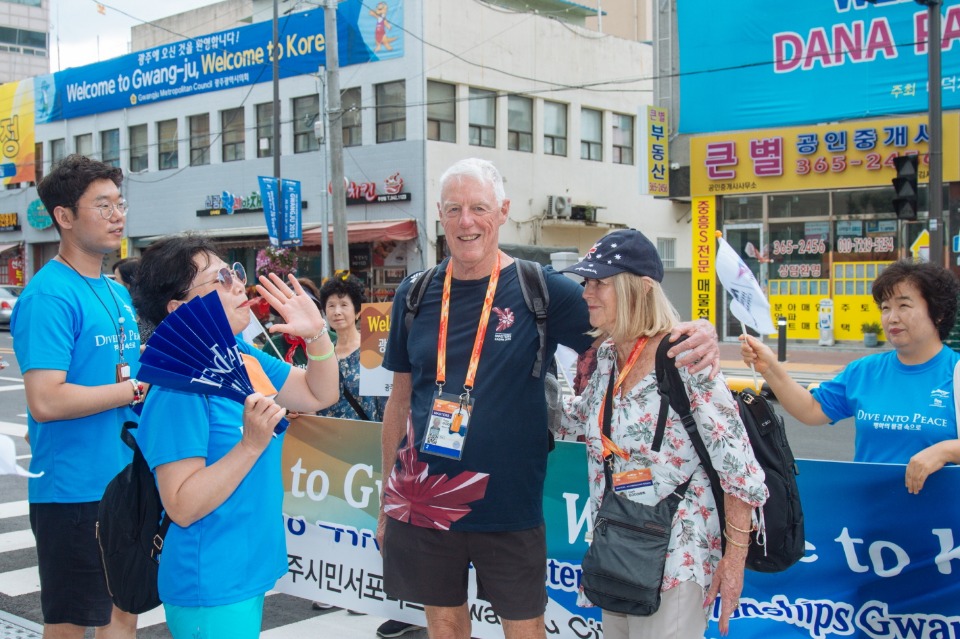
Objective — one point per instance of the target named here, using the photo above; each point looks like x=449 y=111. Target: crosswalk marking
x=11 y=388
x=20 y=582
x=14 y=509
x=12 y=429
x=17 y=540
x=340 y=624
x=152 y=617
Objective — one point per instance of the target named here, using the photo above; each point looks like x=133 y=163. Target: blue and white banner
x=880 y=562
x=755 y=64
x=366 y=32
x=291 y=227
x=270 y=195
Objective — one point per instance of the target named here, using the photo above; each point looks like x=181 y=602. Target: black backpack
x=131 y=526
x=535 y=294
x=783 y=513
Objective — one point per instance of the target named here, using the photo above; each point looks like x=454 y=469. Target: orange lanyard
x=608 y=445
x=481 y=329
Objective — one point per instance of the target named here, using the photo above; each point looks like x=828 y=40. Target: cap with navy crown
x=623 y=251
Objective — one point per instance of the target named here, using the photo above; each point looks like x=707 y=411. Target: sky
x=80 y=35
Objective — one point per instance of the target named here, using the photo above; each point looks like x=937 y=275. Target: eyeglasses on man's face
x=106 y=209
x=225 y=277
x=453 y=211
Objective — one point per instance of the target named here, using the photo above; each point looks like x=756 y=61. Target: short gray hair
x=477 y=169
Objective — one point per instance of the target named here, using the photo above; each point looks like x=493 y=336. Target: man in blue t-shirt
x=76 y=339
x=465 y=436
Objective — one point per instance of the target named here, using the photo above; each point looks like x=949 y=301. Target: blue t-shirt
x=67 y=322
x=899 y=409
x=238 y=551
x=507 y=437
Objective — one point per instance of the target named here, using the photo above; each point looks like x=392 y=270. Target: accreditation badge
x=633 y=482
x=447 y=425
x=123 y=372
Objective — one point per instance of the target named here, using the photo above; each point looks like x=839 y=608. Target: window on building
x=667 y=248
x=391 y=112
x=483 y=118
x=16 y=38
x=83 y=144
x=232 y=134
x=38 y=161
x=591 y=135
x=138 y=148
x=811 y=204
x=110 y=147
x=520 y=123
x=441 y=111
x=554 y=128
x=199 y=139
x=622 y=139
x=352 y=117
x=306 y=111
x=58 y=151
x=265 y=130
x=167 y=143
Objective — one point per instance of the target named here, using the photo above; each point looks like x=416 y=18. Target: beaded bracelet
x=735 y=543
x=138 y=393
x=320 y=358
x=311 y=340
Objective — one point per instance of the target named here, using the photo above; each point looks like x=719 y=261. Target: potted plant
x=870 y=332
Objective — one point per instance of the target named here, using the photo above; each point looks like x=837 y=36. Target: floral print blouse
x=694 y=548
x=350 y=377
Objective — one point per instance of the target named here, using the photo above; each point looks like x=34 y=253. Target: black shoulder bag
x=623 y=568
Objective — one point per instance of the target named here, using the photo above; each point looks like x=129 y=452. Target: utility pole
x=338 y=200
x=276 y=92
x=935 y=127
x=320 y=127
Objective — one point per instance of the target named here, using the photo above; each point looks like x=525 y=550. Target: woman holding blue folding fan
x=217 y=462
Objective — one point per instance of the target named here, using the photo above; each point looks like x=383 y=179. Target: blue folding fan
x=193 y=350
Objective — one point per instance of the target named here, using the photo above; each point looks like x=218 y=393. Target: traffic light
x=905 y=187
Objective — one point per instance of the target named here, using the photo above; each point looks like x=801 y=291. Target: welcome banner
x=879 y=561
x=222 y=60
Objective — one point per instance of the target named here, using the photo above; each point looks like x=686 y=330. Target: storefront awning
x=364 y=232
x=8 y=247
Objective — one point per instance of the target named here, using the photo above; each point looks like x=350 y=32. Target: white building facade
x=556 y=106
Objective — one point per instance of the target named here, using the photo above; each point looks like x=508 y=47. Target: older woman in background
x=627 y=306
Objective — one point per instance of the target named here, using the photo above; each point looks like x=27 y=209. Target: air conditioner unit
x=558 y=206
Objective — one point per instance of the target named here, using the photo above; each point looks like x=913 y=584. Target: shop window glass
x=199 y=139
x=859 y=240
x=352 y=122
x=441 y=111
x=742 y=207
x=869 y=201
x=799 y=205
x=483 y=117
x=520 y=123
x=306 y=111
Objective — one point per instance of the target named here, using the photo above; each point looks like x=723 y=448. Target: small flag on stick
x=102 y=10
x=749 y=305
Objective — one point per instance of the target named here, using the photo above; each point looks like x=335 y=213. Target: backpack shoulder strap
x=534 y=288
x=415 y=295
x=157 y=542
x=673 y=393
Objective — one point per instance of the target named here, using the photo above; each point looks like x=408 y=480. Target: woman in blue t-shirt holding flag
x=902 y=400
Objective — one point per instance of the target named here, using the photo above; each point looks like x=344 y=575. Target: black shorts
x=430 y=567
x=72 y=586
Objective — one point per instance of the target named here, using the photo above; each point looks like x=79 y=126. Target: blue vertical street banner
x=758 y=64
x=879 y=563
x=270 y=194
x=366 y=32
x=291 y=226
